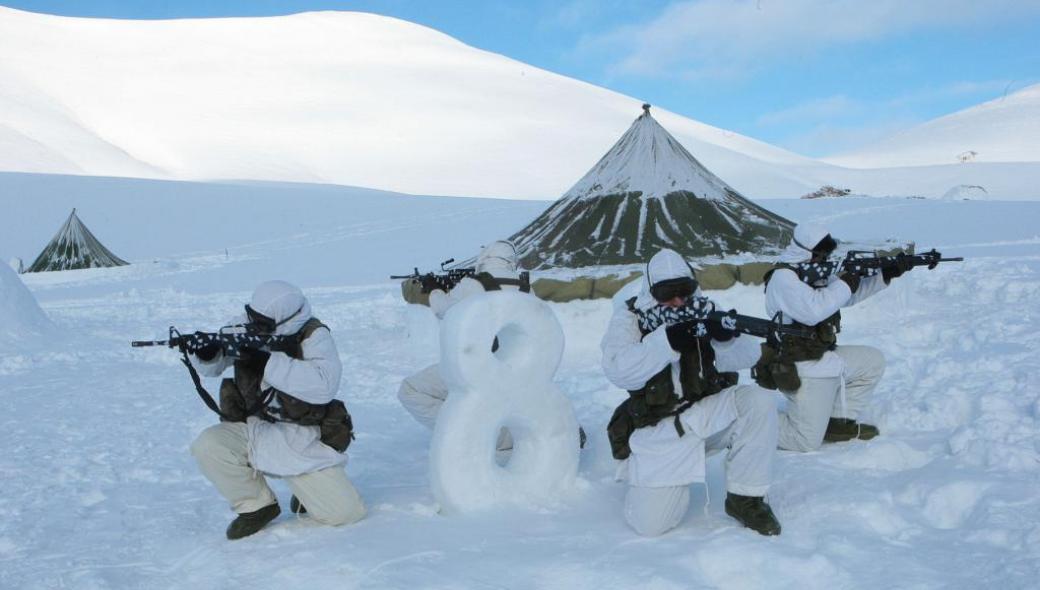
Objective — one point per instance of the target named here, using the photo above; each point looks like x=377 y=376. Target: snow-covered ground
x=99 y=490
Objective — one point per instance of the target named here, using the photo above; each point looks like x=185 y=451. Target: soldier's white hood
x=806 y=235
x=280 y=300
x=499 y=259
x=666 y=264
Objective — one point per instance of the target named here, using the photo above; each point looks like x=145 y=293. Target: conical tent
x=74 y=247
x=645 y=194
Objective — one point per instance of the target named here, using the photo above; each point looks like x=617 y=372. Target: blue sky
x=814 y=76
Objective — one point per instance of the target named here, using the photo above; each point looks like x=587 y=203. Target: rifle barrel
x=139 y=343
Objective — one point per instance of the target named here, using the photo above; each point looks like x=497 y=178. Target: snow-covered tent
x=645 y=194
x=74 y=247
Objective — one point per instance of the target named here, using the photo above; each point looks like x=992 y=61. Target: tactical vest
x=825 y=333
x=658 y=399
x=776 y=367
x=242 y=397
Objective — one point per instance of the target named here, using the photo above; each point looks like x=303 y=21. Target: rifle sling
x=207 y=398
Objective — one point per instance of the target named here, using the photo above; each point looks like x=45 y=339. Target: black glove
x=683 y=336
x=208 y=351
x=253 y=357
x=901 y=265
x=725 y=329
x=281 y=344
x=851 y=280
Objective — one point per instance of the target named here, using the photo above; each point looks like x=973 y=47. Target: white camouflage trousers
x=223 y=457
x=810 y=408
x=423 y=394
x=750 y=444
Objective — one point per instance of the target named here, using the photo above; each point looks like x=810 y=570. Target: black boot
x=583 y=439
x=297 y=507
x=752 y=512
x=251 y=522
x=843 y=429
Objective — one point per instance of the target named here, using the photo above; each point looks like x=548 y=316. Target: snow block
x=512 y=388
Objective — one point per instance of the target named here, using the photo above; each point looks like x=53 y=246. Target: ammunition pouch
x=656 y=401
x=232 y=403
x=772 y=372
x=337 y=428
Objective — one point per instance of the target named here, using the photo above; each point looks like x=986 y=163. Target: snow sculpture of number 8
x=512 y=388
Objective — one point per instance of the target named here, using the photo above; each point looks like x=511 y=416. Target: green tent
x=74 y=247
x=645 y=194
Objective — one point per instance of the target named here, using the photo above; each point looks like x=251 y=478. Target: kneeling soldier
x=683 y=403
x=827 y=386
x=280 y=418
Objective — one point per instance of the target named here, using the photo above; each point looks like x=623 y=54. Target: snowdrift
x=23 y=325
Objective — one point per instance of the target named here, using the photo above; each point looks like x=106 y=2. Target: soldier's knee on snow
x=346 y=513
x=651 y=529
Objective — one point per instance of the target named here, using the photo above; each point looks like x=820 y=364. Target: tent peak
x=646 y=109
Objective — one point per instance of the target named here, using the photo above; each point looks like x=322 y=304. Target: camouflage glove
x=725 y=329
x=207 y=352
x=851 y=280
x=682 y=337
x=900 y=266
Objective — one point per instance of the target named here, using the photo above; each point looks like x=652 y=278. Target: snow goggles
x=667 y=290
x=262 y=323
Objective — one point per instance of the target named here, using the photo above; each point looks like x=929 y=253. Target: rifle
x=774 y=330
x=865 y=263
x=700 y=309
x=232 y=339
x=231 y=342
x=445 y=281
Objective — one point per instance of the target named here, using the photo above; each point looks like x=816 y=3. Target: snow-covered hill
x=354 y=99
x=1006 y=129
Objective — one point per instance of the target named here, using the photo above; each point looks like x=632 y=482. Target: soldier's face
x=674 y=302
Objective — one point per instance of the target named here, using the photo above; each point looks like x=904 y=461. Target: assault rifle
x=774 y=330
x=700 y=309
x=865 y=263
x=445 y=280
x=231 y=339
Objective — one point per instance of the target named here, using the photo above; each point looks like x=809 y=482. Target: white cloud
x=692 y=35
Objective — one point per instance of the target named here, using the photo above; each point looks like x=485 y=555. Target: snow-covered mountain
x=1006 y=129
x=354 y=99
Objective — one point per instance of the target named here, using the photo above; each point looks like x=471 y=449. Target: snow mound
x=22 y=322
x=509 y=387
x=964 y=192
